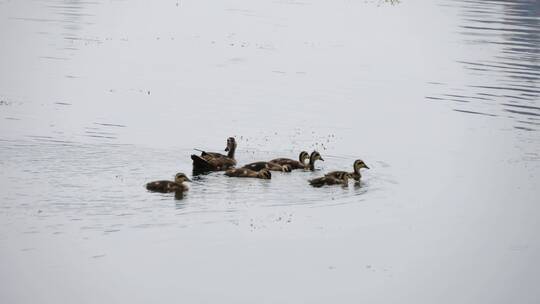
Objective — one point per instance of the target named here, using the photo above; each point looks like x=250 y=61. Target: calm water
x=440 y=99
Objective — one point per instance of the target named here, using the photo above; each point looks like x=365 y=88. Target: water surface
x=440 y=99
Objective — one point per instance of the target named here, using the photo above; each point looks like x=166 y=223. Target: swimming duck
x=357 y=165
x=330 y=180
x=165 y=186
x=312 y=158
x=257 y=166
x=244 y=172
x=295 y=164
x=213 y=161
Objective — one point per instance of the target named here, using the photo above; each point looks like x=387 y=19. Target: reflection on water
x=505 y=80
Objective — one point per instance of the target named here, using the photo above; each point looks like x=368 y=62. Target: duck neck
x=356 y=175
x=231 y=152
x=311 y=164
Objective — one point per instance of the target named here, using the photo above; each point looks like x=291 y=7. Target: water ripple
x=508 y=77
x=102 y=182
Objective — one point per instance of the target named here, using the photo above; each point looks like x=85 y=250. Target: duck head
x=315 y=156
x=180 y=178
x=312 y=158
x=231 y=147
x=303 y=157
x=231 y=144
x=359 y=164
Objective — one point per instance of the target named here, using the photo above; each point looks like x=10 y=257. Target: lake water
x=440 y=98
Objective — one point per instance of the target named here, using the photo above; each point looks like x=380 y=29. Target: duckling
x=257 y=166
x=244 y=172
x=212 y=161
x=295 y=164
x=330 y=180
x=312 y=158
x=357 y=165
x=165 y=186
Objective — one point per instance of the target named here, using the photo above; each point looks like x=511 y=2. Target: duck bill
x=322 y=159
x=365 y=166
x=227 y=149
x=188 y=180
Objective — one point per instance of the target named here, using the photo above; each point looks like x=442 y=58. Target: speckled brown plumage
x=357 y=165
x=329 y=180
x=165 y=186
x=244 y=172
x=257 y=166
x=295 y=164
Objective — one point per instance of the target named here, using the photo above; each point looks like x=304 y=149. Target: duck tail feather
x=199 y=162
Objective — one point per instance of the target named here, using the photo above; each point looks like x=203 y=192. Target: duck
x=295 y=164
x=244 y=172
x=312 y=158
x=213 y=161
x=357 y=165
x=257 y=166
x=165 y=186
x=330 y=180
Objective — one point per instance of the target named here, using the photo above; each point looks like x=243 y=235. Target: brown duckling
x=257 y=166
x=357 y=165
x=212 y=161
x=329 y=180
x=165 y=186
x=312 y=158
x=244 y=172
x=295 y=164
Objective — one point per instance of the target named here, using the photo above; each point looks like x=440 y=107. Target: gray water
x=440 y=99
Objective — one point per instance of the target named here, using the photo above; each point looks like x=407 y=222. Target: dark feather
x=287 y=161
x=200 y=163
x=327 y=180
x=164 y=186
x=256 y=166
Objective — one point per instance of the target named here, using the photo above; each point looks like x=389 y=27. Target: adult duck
x=213 y=161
